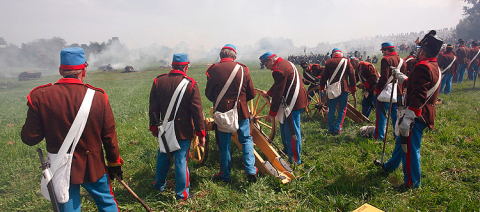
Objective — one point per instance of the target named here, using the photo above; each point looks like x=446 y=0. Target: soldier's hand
x=269 y=119
x=264 y=93
x=155 y=134
x=201 y=141
x=117 y=170
x=361 y=86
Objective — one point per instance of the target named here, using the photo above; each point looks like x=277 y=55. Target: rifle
x=388 y=117
x=131 y=192
x=48 y=176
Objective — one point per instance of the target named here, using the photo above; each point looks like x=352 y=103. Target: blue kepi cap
x=336 y=50
x=180 y=59
x=72 y=58
x=266 y=56
x=387 y=45
x=230 y=46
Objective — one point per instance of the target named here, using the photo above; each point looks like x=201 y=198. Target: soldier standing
x=418 y=112
x=188 y=120
x=286 y=76
x=336 y=63
x=410 y=61
x=390 y=59
x=448 y=62
x=217 y=76
x=461 y=53
x=367 y=74
x=473 y=60
x=51 y=111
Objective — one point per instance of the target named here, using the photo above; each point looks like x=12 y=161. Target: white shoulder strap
x=76 y=130
x=227 y=84
x=297 y=88
x=474 y=58
x=344 y=60
x=180 y=89
x=448 y=67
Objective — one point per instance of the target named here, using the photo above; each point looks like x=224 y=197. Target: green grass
x=337 y=174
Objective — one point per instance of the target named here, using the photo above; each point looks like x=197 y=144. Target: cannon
x=129 y=69
x=268 y=157
x=28 y=75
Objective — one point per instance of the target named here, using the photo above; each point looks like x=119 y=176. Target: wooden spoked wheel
x=352 y=99
x=317 y=107
x=198 y=153
x=259 y=108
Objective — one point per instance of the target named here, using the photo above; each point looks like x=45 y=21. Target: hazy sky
x=213 y=23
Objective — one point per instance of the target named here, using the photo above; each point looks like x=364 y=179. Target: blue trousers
x=182 y=175
x=474 y=71
x=100 y=191
x=461 y=72
x=335 y=124
x=411 y=159
x=381 y=122
x=292 y=147
x=368 y=103
x=446 y=80
x=246 y=140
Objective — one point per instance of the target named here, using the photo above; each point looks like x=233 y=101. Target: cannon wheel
x=259 y=108
x=352 y=99
x=198 y=153
x=317 y=106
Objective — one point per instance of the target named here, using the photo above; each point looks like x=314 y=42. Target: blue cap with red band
x=72 y=58
x=180 y=59
x=266 y=56
x=387 y=45
x=230 y=46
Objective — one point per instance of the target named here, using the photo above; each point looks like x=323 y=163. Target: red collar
x=392 y=53
x=337 y=55
x=174 y=71
x=409 y=56
x=276 y=62
x=431 y=59
x=449 y=53
x=69 y=81
x=226 y=59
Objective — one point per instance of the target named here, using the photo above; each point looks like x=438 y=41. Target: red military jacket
x=461 y=53
x=471 y=54
x=392 y=59
x=51 y=111
x=411 y=62
x=367 y=75
x=330 y=66
x=282 y=73
x=190 y=111
x=420 y=80
x=217 y=76
x=445 y=59
x=315 y=71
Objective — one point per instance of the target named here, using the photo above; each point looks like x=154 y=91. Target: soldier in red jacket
x=51 y=111
x=368 y=76
x=389 y=61
x=346 y=77
x=461 y=53
x=448 y=62
x=473 y=59
x=189 y=119
x=417 y=111
x=217 y=76
x=283 y=73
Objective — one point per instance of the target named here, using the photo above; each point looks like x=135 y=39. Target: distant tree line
x=468 y=28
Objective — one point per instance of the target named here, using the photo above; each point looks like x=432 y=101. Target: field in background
x=337 y=174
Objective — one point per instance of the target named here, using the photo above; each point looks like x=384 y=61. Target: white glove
x=405 y=123
x=399 y=75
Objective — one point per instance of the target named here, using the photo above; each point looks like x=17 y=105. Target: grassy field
x=337 y=173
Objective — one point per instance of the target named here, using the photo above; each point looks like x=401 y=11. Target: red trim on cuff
x=353 y=89
x=418 y=112
x=404 y=84
x=322 y=87
x=269 y=93
x=272 y=113
x=200 y=134
x=378 y=90
x=153 y=128
x=367 y=85
x=119 y=162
